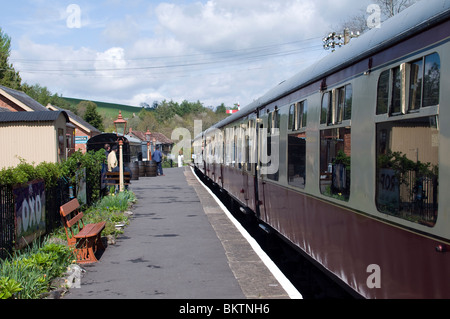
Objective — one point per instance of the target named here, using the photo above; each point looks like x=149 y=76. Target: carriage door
x=249 y=159
x=264 y=122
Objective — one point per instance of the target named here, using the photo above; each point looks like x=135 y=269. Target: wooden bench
x=113 y=178
x=86 y=239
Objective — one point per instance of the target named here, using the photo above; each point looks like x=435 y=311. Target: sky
x=135 y=51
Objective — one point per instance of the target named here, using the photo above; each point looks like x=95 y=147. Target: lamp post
x=121 y=125
x=148 y=137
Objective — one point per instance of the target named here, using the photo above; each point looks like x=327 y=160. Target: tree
x=91 y=115
x=390 y=8
x=221 y=109
x=44 y=96
x=165 y=111
x=8 y=75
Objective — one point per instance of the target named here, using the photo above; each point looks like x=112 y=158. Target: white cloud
x=221 y=25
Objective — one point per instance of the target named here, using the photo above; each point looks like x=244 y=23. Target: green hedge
x=51 y=172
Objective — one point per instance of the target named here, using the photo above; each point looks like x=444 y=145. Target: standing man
x=107 y=149
x=157 y=157
x=112 y=159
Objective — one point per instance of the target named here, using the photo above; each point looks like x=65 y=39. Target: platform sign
x=81 y=139
x=29 y=212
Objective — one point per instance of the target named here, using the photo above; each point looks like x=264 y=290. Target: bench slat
x=91 y=230
x=68 y=208
x=113 y=178
x=74 y=220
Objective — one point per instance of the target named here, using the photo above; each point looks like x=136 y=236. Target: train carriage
x=348 y=160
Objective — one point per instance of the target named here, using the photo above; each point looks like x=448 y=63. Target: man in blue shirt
x=157 y=157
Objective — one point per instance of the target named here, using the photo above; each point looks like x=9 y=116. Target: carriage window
x=302 y=113
x=348 y=102
x=389 y=99
x=239 y=147
x=415 y=89
x=335 y=158
x=298 y=115
x=297 y=148
x=424 y=80
x=275 y=119
x=337 y=105
x=250 y=145
x=230 y=148
x=344 y=103
x=422 y=86
x=274 y=124
x=432 y=78
x=383 y=92
x=297 y=160
x=326 y=105
x=396 y=104
x=407 y=169
x=291 y=123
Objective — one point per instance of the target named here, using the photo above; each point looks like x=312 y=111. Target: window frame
x=274 y=122
x=335 y=109
x=405 y=73
x=298 y=130
x=397 y=169
x=335 y=181
x=339 y=167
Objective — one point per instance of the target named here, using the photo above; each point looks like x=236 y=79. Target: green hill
x=109 y=110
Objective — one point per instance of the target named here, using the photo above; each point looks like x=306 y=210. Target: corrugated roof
x=25 y=99
x=78 y=119
x=40 y=116
x=158 y=136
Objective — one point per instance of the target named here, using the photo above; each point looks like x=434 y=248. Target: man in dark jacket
x=157 y=157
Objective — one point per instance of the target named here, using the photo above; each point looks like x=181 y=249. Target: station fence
x=54 y=198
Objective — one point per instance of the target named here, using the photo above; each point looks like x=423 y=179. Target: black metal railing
x=54 y=198
x=7 y=221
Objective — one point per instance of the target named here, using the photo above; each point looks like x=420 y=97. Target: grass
x=111 y=209
x=110 y=110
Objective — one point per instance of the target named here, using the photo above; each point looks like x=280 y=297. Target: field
x=110 y=110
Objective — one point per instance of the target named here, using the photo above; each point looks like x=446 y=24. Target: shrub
x=8 y=288
x=110 y=209
x=24 y=172
x=92 y=162
x=28 y=274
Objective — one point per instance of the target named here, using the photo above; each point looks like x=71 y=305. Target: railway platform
x=180 y=244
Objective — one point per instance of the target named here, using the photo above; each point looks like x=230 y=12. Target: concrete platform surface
x=179 y=245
